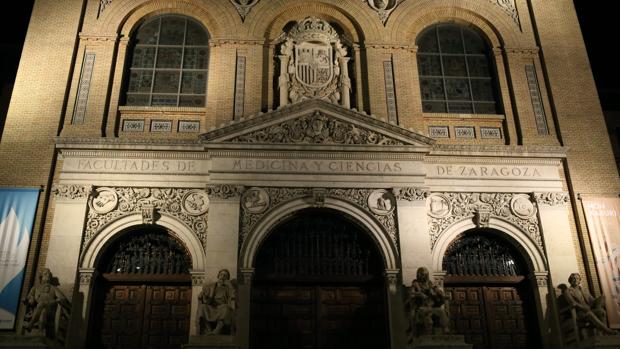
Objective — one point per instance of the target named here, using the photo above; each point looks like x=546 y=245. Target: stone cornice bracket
x=224 y=191
x=551 y=199
x=247 y=274
x=148 y=214
x=87 y=275
x=318 y=196
x=392 y=276
x=482 y=216
x=71 y=191
x=383 y=8
x=244 y=7
x=439 y=277
x=411 y=193
x=102 y=6
x=198 y=278
x=542 y=278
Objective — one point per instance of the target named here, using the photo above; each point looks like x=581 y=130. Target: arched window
x=169 y=63
x=456 y=72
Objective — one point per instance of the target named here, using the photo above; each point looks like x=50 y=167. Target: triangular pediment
x=315 y=122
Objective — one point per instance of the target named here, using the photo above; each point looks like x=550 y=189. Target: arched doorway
x=319 y=284
x=143 y=297
x=491 y=297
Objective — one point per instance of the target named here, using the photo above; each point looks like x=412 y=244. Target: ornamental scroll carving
x=410 y=193
x=509 y=7
x=244 y=6
x=551 y=199
x=313 y=64
x=359 y=197
x=383 y=7
x=316 y=128
x=225 y=191
x=173 y=202
x=71 y=191
x=445 y=209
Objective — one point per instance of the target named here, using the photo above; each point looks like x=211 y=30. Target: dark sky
x=596 y=23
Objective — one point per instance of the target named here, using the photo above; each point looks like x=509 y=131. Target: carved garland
x=551 y=199
x=411 y=194
x=316 y=128
x=445 y=209
x=278 y=196
x=109 y=204
x=225 y=191
x=71 y=191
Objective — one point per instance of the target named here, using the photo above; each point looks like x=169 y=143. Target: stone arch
x=262 y=229
x=529 y=250
x=126 y=16
x=413 y=18
x=97 y=246
x=269 y=19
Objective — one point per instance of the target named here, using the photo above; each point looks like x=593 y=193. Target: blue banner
x=17 y=210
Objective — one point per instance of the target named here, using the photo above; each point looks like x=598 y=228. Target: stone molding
x=497 y=150
x=542 y=278
x=71 y=191
x=411 y=193
x=247 y=274
x=552 y=198
x=526 y=51
x=198 y=279
x=356 y=196
x=448 y=208
x=127 y=154
x=86 y=276
x=315 y=155
x=225 y=191
x=383 y=8
x=392 y=276
x=316 y=128
x=150 y=203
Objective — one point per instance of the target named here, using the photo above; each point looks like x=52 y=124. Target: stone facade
x=415 y=181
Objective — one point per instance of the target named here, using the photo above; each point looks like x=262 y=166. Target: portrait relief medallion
x=381 y=202
x=104 y=200
x=255 y=200
x=196 y=202
x=438 y=206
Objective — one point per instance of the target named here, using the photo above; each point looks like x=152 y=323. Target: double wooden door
x=145 y=316
x=493 y=317
x=318 y=317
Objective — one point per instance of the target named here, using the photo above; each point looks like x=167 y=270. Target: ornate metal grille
x=317 y=246
x=481 y=256
x=148 y=253
x=456 y=73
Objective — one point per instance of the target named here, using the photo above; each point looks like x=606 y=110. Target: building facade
x=320 y=151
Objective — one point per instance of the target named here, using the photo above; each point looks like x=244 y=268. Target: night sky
x=596 y=23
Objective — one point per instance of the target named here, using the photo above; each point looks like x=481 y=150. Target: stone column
x=345 y=82
x=415 y=242
x=63 y=252
x=244 y=304
x=283 y=80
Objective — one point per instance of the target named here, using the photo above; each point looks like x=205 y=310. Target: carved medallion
x=244 y=6
x=196 y=202
x=255 y=200
x=438 y=206
x=381 y=202
x=522 y=207
x=383 y=7
x=104 y=200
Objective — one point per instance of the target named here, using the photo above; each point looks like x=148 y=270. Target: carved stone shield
x=314 y=66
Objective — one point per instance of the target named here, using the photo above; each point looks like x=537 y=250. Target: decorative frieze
x=382 y=206
x=316 y=128
x=390 y=92
x=81 y=99
x=410 y=193
x=551 y=199
x=244 y=6
x=239 y=88
x=464 y=132
x=446 y=209
x=438 y=132
x=188 y=205
x=490 y=133
x=225 y=191
x=71 y=191
x=383 y=7
x=536 y=98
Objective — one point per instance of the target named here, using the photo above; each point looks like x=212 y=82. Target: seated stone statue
x=589 y=310
x=42 y=306
x=429 y=306
x=216 y=306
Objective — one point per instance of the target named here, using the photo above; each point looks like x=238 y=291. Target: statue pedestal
x=440 y=342
x=27 y=342
x=599 y=342
x=211 y=342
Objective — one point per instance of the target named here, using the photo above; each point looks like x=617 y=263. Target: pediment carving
x=315 y=122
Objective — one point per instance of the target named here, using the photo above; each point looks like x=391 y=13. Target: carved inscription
x=286 y=165
x=131 y=166
x=486 y=171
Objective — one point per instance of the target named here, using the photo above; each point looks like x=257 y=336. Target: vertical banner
x=602 y=217
x=17 y=210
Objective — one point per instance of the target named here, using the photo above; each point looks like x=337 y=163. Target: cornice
x=79 y=153
x=315 y=155
x=128 y=144
x=534 y=151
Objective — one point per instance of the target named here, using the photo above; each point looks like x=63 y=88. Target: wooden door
x=145 y=316
x=491 y=317
x=318 y=317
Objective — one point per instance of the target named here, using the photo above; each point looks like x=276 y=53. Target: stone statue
x=42 y=306
x=216 y=306
x=588 y=309
x=429 y=306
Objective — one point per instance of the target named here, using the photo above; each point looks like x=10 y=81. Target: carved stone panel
x=383 y=7
x=188 y=205
x=445 y=209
